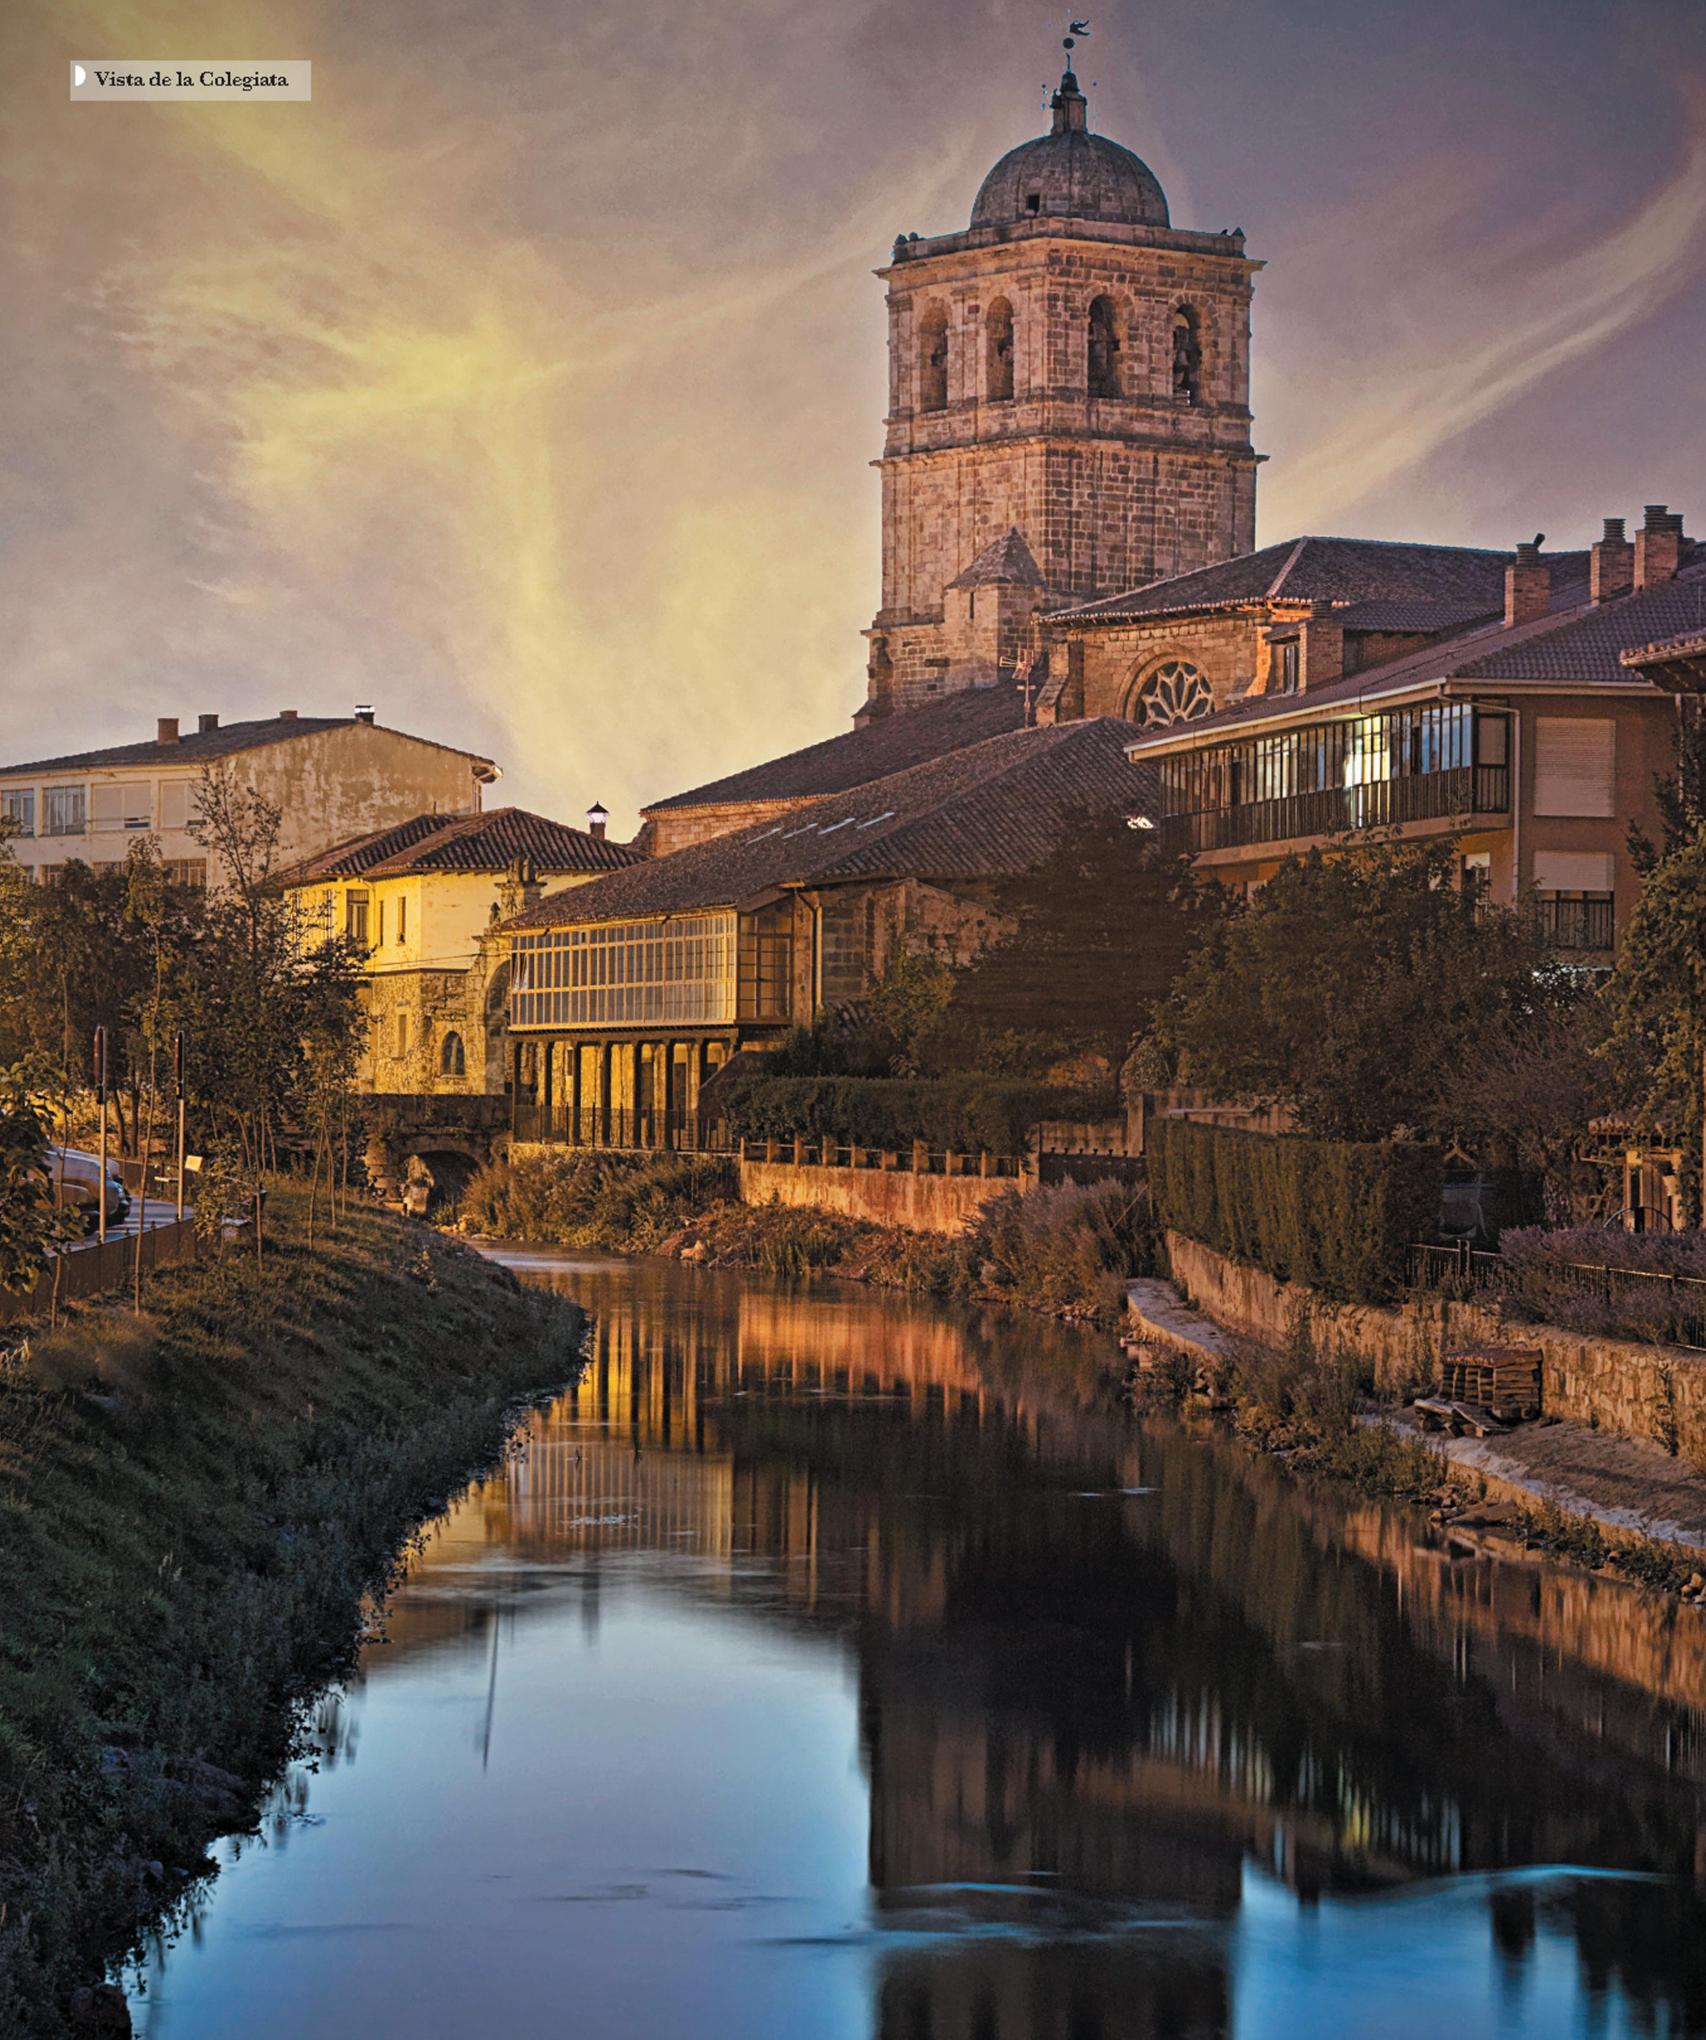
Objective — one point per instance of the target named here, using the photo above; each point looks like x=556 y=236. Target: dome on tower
x=1071 y=174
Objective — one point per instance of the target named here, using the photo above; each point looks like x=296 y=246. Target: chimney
x=1658 y=547
x=287 y=715
x=204 y=723
x=166 y=730
x=1320 y=648
x=364 y=711
x=1528 y=586
x=596 y=817
x=1611 y=570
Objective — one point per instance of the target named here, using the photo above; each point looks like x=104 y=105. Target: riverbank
x=1556 y=1488
x=1067 y=1251
x=194 y=1506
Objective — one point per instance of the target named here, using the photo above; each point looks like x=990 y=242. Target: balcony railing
x=1334 y=810
x=1578 y=924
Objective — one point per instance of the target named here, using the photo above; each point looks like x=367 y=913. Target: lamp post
x=178 y=1085
x=100 y=1060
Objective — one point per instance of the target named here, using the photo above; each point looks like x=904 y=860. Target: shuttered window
x=1571 y=871
x=1574 y=757
x=175 y=803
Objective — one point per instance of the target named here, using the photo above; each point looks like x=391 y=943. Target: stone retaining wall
x=916 y=1199
x=1632 y=1389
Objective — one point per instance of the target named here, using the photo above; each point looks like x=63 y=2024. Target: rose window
x=1174 y=692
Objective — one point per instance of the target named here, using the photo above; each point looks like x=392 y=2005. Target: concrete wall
x=1632 y=1389
x=921 y=1203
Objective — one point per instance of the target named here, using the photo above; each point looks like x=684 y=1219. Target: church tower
x=1069 y=408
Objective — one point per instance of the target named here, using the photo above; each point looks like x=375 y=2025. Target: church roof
x=1007 y=558
x=1470 y=579
x=485 y=842
x=988 y=810
x=1070 y=174
x=889 y=744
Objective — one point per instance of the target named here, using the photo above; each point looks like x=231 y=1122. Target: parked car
x=76 y=1178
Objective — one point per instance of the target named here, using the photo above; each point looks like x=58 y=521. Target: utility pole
x=101 y=1095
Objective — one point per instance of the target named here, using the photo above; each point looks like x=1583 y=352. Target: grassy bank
x=1067 y=1250
x=192 y=1508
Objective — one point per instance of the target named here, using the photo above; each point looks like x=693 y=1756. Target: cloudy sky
x=525 y=383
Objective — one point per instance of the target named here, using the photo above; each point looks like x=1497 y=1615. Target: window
x=452 y=1057
x=120 y=804
x=402 y=1033
x=626 y=973
x=1574 y=758
x=19 y=808
x=403 y=919
x=933 y=359
x=1187 y=355
x=355 y=918
x=1103 y=349
x=1033 y=201
x=1284 y=677
x=1174 y=692
x=175 y=803
x=380 y=941
x=62 y=811
x=187 y=871
x=1574 y=897
x=999 y=370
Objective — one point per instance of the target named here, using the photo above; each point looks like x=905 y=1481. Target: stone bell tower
x=1072 y=369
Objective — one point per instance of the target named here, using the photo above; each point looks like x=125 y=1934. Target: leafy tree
x=1656 y=1043
x=1101 y=931
x=1680 y=796
x=1350 y=986
x=27 y=1211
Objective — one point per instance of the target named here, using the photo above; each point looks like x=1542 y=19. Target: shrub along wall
x=1338 y=1216
x=968 y=1113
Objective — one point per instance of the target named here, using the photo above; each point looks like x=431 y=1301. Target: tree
x=1680 y=796
x=1350 y=987
x=28 y=1214
x=1657 y=1002
x=1101 y=930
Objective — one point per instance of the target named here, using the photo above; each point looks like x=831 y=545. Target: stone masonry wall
x=920 y=1203
x=1631 y=1389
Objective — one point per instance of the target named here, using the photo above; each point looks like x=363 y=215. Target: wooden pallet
x=1439 y=1414
x=1503 y=1379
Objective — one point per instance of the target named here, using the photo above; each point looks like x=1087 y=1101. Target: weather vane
x=1069 y=42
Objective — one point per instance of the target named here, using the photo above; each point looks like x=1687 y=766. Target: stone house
x=1533 y=736
x=329 y=776
x=626 y=996
x=423 y=899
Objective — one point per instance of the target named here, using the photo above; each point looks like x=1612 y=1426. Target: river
x=827 y=1664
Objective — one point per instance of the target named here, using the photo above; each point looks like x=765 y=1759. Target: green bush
x=1337 y=1215
x=966 y=1113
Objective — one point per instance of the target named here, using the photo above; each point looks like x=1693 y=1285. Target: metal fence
x=101 y=1266
x=1639 y=1303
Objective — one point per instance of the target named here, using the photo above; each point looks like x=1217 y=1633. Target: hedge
x=967 y=1113
x=1337 y=1215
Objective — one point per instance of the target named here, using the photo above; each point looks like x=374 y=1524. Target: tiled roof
x=473 y=843
x=890 y=744
x=1590 y=645
x=201 y=747
x=1415 y=616
x=1007 y=558
x=1578 y=642
x=985 y=811
x=1350 y=570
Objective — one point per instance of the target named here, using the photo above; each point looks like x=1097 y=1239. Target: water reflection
x=826 y=1664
